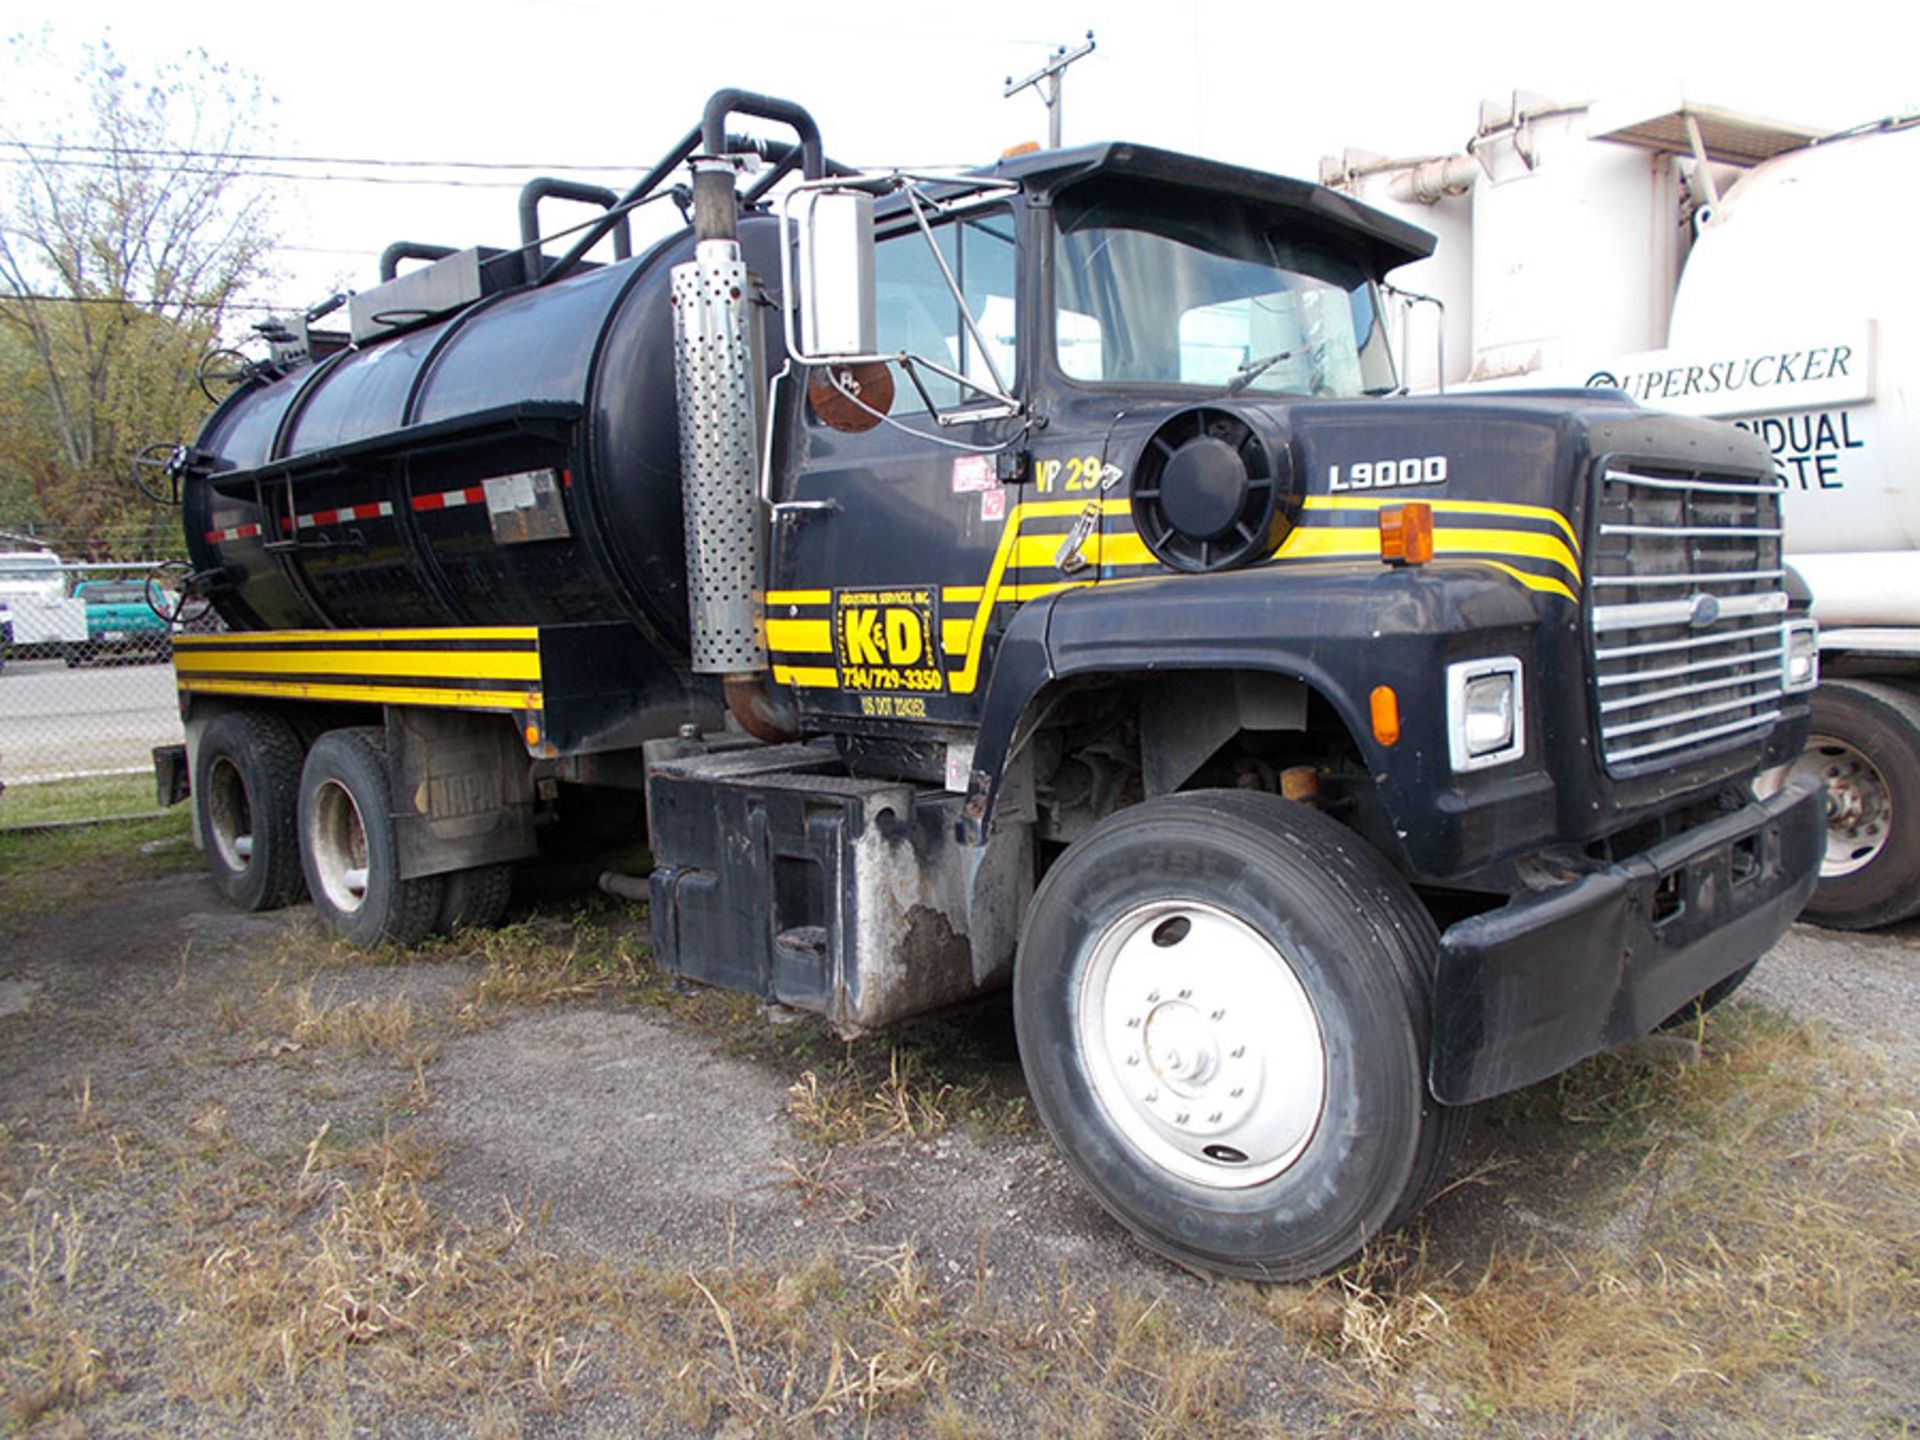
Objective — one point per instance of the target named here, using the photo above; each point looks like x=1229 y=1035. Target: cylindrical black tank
x=350 y=493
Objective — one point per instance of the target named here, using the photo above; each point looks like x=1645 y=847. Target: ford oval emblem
x=1706 y=610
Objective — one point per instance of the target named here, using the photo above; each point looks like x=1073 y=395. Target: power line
x=262 y=157
x=444 y=183
x=132 y=304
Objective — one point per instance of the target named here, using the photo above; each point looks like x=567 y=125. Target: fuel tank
x=512 y=461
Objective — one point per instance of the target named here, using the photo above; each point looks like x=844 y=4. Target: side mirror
x=835 y=289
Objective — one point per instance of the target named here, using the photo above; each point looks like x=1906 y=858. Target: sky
x=568 y=84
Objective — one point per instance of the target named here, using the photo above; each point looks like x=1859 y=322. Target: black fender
x=1341 y=628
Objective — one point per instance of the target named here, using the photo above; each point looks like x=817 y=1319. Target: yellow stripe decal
x=1327 y=541
x=963 y=682
x=809 y=637
x=1023 y=551
x=1448 y=507
x=448 y=698
x=954 y=635
x=349 y=638
x=447 y=664
x=808 y=677
x=1543 y=583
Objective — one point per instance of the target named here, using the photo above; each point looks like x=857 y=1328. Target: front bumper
x=1525 y=991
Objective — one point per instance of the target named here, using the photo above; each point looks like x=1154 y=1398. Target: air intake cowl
x=1210 y=492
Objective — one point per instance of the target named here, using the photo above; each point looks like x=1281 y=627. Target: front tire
x=349 y=850
x=246 y=787
x=1221 y=1001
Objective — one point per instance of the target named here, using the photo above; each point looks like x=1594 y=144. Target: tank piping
x=1431 y=181
x=548 y=187
x=391 y=257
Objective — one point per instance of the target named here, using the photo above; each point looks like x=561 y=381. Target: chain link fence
x=86 y=688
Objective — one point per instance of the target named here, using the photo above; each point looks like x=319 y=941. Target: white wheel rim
x=229 y=815
x=1859 y=809
x=1201 y=1044
x=337 y=841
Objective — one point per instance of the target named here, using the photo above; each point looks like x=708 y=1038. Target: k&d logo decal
x=888 y=639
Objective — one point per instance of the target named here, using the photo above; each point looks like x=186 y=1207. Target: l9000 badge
x=1389 y=474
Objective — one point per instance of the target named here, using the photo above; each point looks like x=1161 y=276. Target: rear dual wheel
x=1221 y=1002
x=246 y=785
x=348 y=848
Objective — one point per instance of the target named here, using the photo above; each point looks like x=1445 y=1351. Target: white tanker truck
x=1717 y=264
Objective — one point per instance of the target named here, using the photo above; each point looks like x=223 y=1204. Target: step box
x=779 y=874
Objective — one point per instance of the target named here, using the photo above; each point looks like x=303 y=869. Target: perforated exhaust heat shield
x=717 y=371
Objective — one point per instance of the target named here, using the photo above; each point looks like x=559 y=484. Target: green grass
x=50 y=801
x=42 y=870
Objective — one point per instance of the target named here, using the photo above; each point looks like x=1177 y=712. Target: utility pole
x=1046 y=83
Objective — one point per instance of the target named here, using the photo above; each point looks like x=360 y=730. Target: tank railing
x=642 y=189
x=713 y=125
x=710 y=137
x=391 y=257
x=548 y=187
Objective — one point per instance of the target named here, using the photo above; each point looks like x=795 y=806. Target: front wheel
x=1221 y=1001
x=349 y=850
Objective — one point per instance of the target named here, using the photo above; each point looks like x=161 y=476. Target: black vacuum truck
x=1029 y=577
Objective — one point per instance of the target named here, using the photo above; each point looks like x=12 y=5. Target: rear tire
x=1221 y=1001
x=348 y=848
x=475 y=899
x=1864 y=747
x=246 y=787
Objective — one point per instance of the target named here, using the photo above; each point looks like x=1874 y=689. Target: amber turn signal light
x=1406 y=533
x=1385 y=706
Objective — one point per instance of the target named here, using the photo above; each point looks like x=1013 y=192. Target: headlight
x=1799 y=656
x=1486 y=712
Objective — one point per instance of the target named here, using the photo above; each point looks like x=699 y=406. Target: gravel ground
x=1866 y=986
x=160 y=1018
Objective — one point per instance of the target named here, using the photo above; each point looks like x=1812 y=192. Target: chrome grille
x=1686 y=593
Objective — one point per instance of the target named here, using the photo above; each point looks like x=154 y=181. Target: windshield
x=1151 y=287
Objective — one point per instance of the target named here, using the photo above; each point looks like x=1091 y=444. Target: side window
x=916 y=311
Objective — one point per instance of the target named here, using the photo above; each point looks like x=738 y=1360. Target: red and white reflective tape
x=450 y=499
x=340 y=516
x=437 y=500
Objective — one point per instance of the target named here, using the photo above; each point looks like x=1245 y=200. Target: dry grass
x=539 y=962
x=1644 y=1246
x=1733 y=1226
x=854 y=1103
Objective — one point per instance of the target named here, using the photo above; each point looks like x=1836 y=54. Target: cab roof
x=1386 y=241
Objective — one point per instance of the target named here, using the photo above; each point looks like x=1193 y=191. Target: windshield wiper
x=1254 y=369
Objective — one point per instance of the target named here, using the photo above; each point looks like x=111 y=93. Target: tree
x=125 y=246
